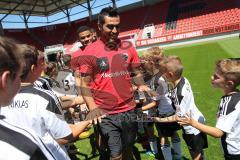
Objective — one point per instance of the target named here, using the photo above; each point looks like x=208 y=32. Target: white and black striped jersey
x=183 y=99
x=45 y=85
x=21 y=144
x=228 y=120
x=54 y=102
x=34 y=109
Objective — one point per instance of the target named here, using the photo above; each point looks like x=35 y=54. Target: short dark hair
x=50 y=68
x=10 y=56
x=108 y=11
x=93 y=30
x=67 y=59
x=30 y=56
x=83 y=29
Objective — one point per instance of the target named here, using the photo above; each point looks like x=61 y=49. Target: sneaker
x=150 y=153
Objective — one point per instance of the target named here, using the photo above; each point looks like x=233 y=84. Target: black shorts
x=167 y=129
x=232 y=157
x=148 y=124
x=196 y=143
x=119 y=131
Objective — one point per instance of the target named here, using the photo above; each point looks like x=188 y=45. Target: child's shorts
x=167 y=129
x=232 y=157
x=196 y=143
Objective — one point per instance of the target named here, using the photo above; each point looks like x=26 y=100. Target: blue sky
x=74 y=12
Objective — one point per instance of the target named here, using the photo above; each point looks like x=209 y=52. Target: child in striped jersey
x=15 y=142
x=36 y=109
x=182 y=97
x=227 y=78
x=157 y=83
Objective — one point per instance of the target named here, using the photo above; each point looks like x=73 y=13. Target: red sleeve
x=74 y=59
x=74 y=64
x=86 y=64
x=135 y=61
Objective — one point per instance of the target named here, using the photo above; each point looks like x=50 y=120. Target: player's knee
x=115 y=152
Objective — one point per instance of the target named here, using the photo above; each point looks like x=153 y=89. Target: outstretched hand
x=96 y=115
x=185 y=120
x=145 y=88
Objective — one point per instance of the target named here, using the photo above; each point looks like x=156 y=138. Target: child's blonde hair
x=153 y=53
x=230 y=69
x=172 y=64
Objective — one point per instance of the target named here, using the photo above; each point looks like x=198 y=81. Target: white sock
x=153 y=145
x=176 y=143
x=166 y=150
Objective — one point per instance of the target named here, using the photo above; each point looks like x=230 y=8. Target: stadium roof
x=35 y=13
x=37 y=7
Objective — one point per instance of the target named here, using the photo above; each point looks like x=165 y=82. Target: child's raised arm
x=188 y=120
x=149 y=105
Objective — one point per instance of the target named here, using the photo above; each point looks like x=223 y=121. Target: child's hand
x=96 y=115
x=153 y=94
x=185 y=120
x=145 y=88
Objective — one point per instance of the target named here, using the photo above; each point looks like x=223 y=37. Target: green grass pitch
x=199 y=61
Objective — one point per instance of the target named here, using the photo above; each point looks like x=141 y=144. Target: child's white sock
x=166 y=150
x=176 y=142
x=153 y=145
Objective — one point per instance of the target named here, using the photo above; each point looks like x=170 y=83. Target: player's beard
x=112 y=44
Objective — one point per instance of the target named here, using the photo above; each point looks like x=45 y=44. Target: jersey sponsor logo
x=19 y=104
x=124 y=56
x=103 y=64
x=115 y=74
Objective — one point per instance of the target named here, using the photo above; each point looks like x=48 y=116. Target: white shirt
x=183 y=99
x=44 y=84
x=228 y=120
x=66 y=82
x=34 y=109
x=21 y=144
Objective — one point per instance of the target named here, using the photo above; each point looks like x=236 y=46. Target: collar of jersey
x=23 y=84
x=231 y=93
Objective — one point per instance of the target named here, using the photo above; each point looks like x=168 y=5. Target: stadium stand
x=22 y=35
x=168 y=18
